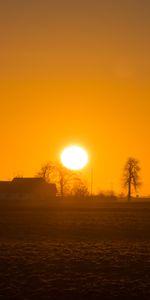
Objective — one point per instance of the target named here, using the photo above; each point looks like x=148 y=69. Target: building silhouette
x=27 y=188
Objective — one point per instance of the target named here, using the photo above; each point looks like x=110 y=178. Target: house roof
x=28 y=180
x=33 y=182
x=27 y=183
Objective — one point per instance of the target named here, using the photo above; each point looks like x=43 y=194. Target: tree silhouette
x=46 y=172
x=80 y=188
x=131 y=177
x=64 y=179
x=58 y=174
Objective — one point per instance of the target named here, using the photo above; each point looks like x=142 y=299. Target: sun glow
x=74 y=158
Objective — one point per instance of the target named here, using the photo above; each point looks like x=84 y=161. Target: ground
x=81 y=252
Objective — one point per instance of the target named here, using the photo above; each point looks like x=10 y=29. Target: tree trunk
x=129 y=190
x=62 y=187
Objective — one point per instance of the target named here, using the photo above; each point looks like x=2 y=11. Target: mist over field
x=68 y=251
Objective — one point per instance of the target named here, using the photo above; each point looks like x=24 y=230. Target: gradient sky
x=75 y=72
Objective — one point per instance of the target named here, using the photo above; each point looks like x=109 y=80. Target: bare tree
x=80 y=188
x=64 y=179
x=46 y=172
x=131 y=177
x=58 y=174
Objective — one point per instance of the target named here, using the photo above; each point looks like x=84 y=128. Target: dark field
x=99 y=251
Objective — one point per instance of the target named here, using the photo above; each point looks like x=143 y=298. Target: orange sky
x=75 y=72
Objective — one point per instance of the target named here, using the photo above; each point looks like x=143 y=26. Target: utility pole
x=91 y=182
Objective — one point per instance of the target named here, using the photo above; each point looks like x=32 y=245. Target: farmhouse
x=27 y=188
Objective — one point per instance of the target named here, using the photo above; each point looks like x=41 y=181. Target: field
x=70 y=251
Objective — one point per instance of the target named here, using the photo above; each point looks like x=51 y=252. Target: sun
x=74 y=158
